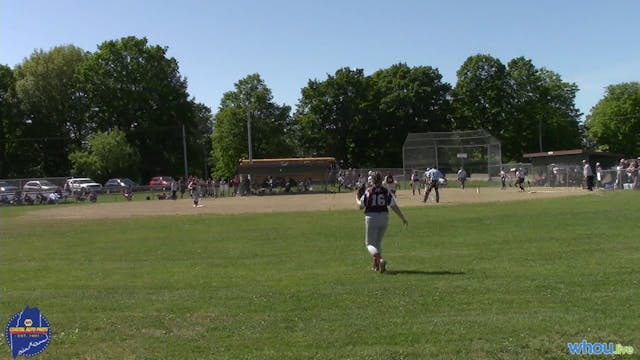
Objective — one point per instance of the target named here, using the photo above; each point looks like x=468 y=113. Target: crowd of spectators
x=626 y=174
x=236 y=186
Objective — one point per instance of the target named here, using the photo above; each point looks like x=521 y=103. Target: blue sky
x=592 y=43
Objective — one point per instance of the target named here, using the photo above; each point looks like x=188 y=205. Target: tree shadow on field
x=420 y=272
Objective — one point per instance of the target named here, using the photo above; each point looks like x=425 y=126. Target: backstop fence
x=477 y=151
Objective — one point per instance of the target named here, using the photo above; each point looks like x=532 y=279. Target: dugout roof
x=573 y=156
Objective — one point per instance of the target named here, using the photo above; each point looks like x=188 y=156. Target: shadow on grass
x=420 y=272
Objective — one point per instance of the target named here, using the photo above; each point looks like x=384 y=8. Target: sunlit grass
x=485 y=281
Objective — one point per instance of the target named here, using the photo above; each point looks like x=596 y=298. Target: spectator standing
x=174 y=190
x=67 y=188
x=588 y=174
x=224 y=187
x=415 y=183
x=340 y=181
x=182 y=186
x=234 y=185
x=632 y=170
x=216 y=188
x=620 y=169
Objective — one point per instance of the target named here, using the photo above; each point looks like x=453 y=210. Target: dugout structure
x=292 y=174
x=476 y=150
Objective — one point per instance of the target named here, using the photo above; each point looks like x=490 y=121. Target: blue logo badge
x=28 y=333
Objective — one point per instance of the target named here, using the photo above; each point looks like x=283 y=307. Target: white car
x=83 y=184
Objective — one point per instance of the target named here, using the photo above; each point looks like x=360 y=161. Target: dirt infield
x=283 y=203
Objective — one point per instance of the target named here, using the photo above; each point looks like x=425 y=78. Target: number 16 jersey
x=377 y=199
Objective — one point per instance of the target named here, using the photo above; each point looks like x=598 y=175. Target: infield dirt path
x=283 y=203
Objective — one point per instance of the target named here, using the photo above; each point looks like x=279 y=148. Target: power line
x=39 y=138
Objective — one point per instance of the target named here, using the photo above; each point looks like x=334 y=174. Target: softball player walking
x=415 y=183
x=194 y=187
x=376 y=201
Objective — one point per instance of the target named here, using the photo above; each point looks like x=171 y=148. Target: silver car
x=40 y=186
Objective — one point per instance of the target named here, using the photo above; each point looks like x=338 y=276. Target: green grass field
x=486 y=281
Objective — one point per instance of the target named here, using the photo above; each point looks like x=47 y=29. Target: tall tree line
x=120 y=111
x=60 y=107
x=528 y=109
x=363 y=120
x=614 y=122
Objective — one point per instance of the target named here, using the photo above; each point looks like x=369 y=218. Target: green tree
x=227 y=145
x=53 y=110
x=480 y=95
x=525 y=113
x=519 y=104
x=11 y=128
x=614 y=123
x=405 y=100
x=542 y=115
x=134 y=87
x=108 y=154
x=271 y=135
x=560 y=117
x=200 y=147
x=333 y=118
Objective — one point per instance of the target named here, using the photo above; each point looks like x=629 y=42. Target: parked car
x=83 y=184
x=40 y=186
x=5 y=187
x=163 y=182
x=118 y=184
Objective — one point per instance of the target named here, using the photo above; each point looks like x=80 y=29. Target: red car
x=161 y=181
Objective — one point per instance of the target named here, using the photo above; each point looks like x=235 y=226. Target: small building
x=573 y=157
x=564 y=167
x=290 y=173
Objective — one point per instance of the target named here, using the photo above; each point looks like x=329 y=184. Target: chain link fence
x=477 y=151
x=572 y=175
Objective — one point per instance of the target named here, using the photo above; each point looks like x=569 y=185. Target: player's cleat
x=383 y=266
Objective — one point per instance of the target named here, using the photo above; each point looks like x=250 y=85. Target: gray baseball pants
x=375 y=227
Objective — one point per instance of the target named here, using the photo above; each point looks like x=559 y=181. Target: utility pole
x=184 y=153
x=540 y=134
x=249 y=135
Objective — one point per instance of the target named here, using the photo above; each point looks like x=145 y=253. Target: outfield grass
x=486 y=281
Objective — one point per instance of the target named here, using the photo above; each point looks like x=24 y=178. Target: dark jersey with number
x=378 y=199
